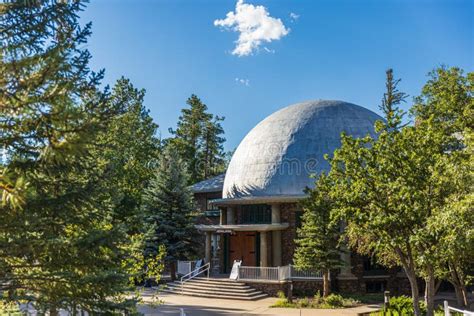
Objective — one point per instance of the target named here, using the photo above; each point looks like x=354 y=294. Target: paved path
x=196 y=306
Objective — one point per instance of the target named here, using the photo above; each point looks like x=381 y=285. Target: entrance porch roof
x=242 y=228
x=258 y=199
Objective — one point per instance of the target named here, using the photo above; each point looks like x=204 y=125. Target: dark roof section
x=214 y=184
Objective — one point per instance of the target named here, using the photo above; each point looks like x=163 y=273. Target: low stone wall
x=300 y=287
x=307 y=288
x=269 y=288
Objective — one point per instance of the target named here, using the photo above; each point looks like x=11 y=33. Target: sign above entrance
x=224 y=231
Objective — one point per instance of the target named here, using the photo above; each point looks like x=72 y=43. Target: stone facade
x=289 y=213
x=363 y=279
x=300 y=287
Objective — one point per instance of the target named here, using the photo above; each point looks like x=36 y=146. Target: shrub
x=282 y=301
x=10 y=309
x=281 y=295
x=331 y=301
x=304 y=303
x=402 y=305
x=334 y=300
x=317 y=299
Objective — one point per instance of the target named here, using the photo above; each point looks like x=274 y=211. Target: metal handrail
x=191 y=275
x=448 y=308
x=280 y=274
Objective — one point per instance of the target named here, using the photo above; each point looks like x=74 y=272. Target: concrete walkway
x=196 y=306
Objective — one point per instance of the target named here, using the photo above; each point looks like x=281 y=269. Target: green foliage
x=402 y=306
x=62 y=244
x=317 y=241
x=168 y=207
x=281 y=295
x=130 y=148
x=332 y=301
x=199 y=141
x=9 y=308
x=318 y=237
x=395 y=191
x=335 y=300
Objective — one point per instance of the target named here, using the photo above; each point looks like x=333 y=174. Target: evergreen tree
x=168 y=206
x=317 y=241
x=59 y=245
x=130 y=147
x=198 y=139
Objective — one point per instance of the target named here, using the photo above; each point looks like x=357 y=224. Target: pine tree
x=130 y=146
x=199 y=141
x=59 y=245
x=317 y=241
x=168 y=206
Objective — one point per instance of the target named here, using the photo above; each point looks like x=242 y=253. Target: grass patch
x=332 y=301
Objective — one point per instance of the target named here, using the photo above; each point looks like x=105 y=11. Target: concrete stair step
x=213 y=287
x=215 y=281
x=177 y=288
x=256 y=296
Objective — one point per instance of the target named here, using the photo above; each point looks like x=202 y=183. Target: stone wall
x=300 y=287
x=200 y=200
x=288 y=236
x=270 y=288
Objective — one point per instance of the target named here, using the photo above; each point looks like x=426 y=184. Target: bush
x=281 y=295
x=334 y=300
x=330 y=302
x=318 y=299
x=10 y=309
x=304 y=303
x=403 y=305
x=282 y=301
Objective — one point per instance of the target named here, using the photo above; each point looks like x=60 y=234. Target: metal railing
x=448 y=309
x=305 y=274
x=259 y=273
x=277 y=274
x=196 y=272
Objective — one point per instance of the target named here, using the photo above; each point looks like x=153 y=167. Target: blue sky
x=332 y=50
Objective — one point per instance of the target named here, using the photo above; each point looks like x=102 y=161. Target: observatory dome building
x=276 y=158
x=255 y=204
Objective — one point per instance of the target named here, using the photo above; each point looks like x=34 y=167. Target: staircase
x=215 y=288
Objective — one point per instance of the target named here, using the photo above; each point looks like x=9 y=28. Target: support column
x=230 y=216
x=263 y=249
x=208 y=247
x=223 y=218
x=276 y=216
x=346 y=259
x=276 y=236
x=346 y=269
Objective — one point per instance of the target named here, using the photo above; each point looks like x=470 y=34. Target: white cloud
x=268 y=50
x=245 y=82
x=294 y=16
x=255 y=26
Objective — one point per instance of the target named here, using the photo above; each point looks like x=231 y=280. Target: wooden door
x=242 y=247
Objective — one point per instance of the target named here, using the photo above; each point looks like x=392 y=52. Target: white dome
x=277 y=156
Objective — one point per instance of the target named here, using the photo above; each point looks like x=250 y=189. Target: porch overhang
x=273 y=199
x=242 y=228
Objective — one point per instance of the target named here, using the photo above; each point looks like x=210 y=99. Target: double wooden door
x=242 y=247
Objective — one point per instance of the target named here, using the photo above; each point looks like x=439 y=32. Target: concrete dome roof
x=277 y=156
